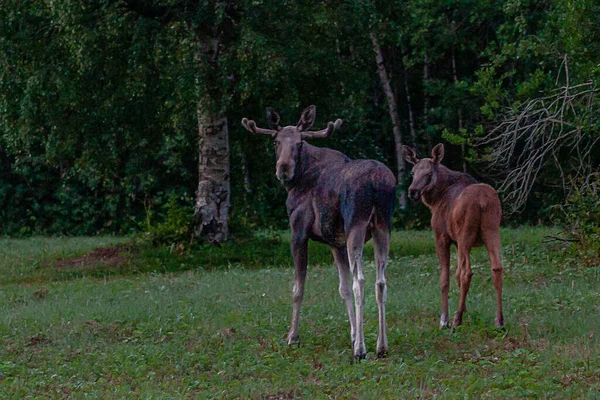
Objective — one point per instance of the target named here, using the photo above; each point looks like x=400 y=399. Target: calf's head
x=424 y=170
x=288 y=140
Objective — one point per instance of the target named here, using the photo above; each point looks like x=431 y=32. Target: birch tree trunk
x=393 y=109
x=426 y=76
x=212 y=196
x=460 y=117
x=246 y=173
x=411 y=118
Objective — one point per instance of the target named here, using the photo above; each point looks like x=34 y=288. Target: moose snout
x=414 y=194
x=284 y=171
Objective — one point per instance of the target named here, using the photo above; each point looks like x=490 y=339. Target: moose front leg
x=463 y=275
x=300 y=252
x=381 y=242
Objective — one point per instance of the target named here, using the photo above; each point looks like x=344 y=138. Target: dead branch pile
x=537 y=132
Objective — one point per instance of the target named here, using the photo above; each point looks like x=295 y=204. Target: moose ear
x=410 y=155
x=273 y=118
x=437 y=154
x=307 y=119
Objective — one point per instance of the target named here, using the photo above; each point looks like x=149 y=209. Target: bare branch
x=551 y=238
x=535 y=132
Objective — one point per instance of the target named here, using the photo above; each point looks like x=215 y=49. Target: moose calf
x=464 y=213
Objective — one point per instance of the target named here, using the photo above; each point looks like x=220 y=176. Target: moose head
x=424 y=171
x=288 y=140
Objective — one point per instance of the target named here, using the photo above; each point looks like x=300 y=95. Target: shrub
x=582 y=214
x=176 y=227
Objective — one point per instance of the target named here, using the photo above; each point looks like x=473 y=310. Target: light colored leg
x=443 y=252
x=355 y=245
x=300 y=252
x=381 y=241
x=340 y=257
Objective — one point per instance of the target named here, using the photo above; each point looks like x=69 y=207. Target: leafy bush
x=175 y=229
x=582 y=214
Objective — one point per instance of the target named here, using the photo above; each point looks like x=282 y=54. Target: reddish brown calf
x=464 y=213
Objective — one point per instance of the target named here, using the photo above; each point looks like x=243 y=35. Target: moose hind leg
x=464 y=274
x=300 y=252
x=496 y=267
x=491 y=238
x=355 y=245
x=340 y=257
x=381 y=242
x=443 y=252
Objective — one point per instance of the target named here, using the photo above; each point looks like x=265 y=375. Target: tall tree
x=211 y=25
x=393 y=110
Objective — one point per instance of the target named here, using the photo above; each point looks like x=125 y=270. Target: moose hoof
x=382 y=348
x=444 y=322
x=293 y=339
x=457 y=320
x=382 y=353
x=500 y=322
x=360 y=352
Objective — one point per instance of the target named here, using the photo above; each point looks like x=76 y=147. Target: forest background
x=103 y=104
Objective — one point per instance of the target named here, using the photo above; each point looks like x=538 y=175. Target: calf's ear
x=410 y=155
x=307 y=119
x=437 y=154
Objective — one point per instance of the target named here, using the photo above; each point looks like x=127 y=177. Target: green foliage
x=582 y=215
x=174 y=230
x=98 y=102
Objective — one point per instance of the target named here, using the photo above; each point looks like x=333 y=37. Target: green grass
x=211 y=323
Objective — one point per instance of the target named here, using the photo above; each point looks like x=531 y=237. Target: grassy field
x=211 y=323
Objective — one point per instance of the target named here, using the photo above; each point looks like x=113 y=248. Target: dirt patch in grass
x=37 y=340
x=111 y=256
x=292 y=394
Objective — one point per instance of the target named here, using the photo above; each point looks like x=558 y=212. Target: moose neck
x=301 y=166
x=312 y=161
x=447 y=181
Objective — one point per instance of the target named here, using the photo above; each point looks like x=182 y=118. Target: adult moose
x=464 y=213
x=338 y=201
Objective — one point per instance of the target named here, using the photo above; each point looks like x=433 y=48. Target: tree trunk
x=393 y=109
x=212 y=196
x=411 y=118
x=426 y=77
x=246 y=173
x=460 y=117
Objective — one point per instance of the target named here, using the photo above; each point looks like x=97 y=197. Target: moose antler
x=331 y=126
x=251 y=126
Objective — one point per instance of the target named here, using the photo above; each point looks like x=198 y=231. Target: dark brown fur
x=337 y=201
x=464 y=213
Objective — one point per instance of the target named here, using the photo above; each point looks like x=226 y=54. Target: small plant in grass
x=581 y=214
x=174 y=230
